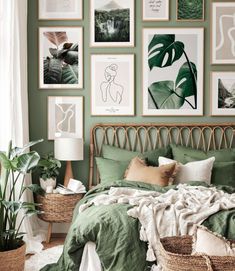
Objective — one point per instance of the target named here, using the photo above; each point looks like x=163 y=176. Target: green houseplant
x=49 y=171
x=16 y=163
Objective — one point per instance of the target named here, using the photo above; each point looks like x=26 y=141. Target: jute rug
x=39 y=260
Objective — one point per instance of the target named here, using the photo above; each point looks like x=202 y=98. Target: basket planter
x=175 y=255
x=57 y=208
x=13 y=260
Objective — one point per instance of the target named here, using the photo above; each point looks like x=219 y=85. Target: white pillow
x=206 y=242
x=192 y=171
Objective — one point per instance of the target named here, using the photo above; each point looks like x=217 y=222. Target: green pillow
x=223 y=173
x=118 y=154
x=223 y=155
x=111 y=170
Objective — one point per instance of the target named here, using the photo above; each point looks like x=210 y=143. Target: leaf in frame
x=52 y=71
x=71 y=57
x=70 y=74
x=56 y=38
x=163 y=51
x=185 y=79
x=164 y=95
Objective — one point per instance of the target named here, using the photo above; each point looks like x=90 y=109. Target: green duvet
x=117 y=235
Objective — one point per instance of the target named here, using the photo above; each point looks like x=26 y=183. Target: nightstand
x=57 y=208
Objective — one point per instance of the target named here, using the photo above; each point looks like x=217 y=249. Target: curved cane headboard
x=144 y=137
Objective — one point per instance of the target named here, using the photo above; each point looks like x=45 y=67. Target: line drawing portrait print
x=110 y=89
x=65 y=124
x=230 y=33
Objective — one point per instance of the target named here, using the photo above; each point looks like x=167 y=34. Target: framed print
x=190 y=10
x=223 y=93
x=112 y=85
x=173 y=71
x=155 y=10
x=223 y=29
x=60 y=9
x=112 y=23
x=65 y=117
x=60 y=57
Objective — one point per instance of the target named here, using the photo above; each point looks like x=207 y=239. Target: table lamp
x=68 y=149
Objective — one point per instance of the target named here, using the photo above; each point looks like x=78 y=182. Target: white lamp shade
x=68 y=149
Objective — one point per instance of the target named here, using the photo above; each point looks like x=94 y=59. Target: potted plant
x=49 y=171
x=15 y=164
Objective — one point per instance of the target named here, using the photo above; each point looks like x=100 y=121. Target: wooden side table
x=57 y=208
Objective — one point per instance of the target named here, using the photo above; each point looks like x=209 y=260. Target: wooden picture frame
x=155 y=10
x=112 y=85
x=222 y=28
x=191 y=14
x=112 y=31
x=60 y=10
x=60 y=57
x=174 y=66
x=223 y=93
x=65 y=116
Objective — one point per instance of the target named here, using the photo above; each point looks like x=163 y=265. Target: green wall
x=38 y=98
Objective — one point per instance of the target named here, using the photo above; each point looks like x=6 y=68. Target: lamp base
x=68 y=173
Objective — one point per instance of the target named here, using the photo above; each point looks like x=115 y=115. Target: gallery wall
x=38 y=98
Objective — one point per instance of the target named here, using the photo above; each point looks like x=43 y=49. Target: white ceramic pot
x=47 y=183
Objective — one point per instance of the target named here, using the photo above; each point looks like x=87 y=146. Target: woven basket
x=57 y=208
x=174 y=254
x=13 y=260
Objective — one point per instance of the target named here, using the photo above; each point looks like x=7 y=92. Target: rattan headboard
x=143 y=137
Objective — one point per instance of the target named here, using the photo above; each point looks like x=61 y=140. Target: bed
x=104 y=235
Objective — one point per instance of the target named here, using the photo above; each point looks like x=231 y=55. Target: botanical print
x=155 y=10
x=173 y=71
x=60 y=9
x=223 y=93
x=112 y=22
x=112 y=84
x=223 y=29
x=61 y=58
x=190 y=10
x=65 y=117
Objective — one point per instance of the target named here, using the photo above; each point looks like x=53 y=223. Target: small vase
x=46 y=183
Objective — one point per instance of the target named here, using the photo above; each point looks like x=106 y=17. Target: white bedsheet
x=90 y=259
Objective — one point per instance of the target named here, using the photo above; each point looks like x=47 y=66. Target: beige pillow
x=209 y=243
x=139 y=171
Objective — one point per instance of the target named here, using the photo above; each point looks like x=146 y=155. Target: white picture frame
x=65 y=117
x=112 y=85
x=60 y=9
x=64 y=44
x=223 y=93
x=222 y=29
x=112 y=32
x=155 y=10
x=169 y=86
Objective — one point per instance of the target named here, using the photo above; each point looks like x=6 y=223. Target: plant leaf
x=5 y=162
x=35 y=188
x=74 y=47
x=70 y=74
x=16 y=151
x=71 y=57
x=185 y=79
x=27 y=161
x=56 y=38
x=164 y=51
x=164 y=95
x=67 y=45
x=52 y=71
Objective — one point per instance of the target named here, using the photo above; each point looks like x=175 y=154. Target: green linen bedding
x=117 y=235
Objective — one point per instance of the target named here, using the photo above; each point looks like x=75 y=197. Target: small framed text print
x=155 y=10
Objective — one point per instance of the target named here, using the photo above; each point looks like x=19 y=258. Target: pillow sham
x=206 y=242
x=140 y=172
x=118 y=154
x=223 y=173
x=192 y=171
x=111 y=170
x=223 y=155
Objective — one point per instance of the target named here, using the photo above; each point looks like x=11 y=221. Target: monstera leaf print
x=170 y=95
x=164 y=51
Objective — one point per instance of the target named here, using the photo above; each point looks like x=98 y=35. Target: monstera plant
x=61 y=64
x=163 y=51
